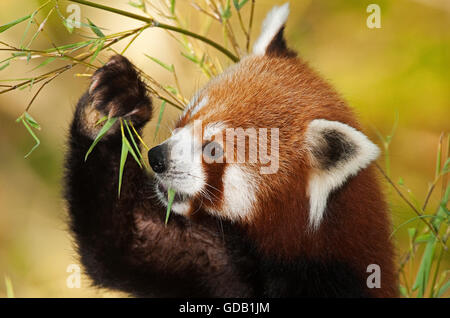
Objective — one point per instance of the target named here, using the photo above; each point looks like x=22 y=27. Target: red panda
x=276 y=195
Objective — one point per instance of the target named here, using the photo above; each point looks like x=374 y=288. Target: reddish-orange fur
x=272 y=91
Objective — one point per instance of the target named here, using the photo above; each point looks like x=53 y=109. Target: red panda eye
x=212 y=150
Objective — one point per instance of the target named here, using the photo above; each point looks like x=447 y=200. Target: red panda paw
x=117 y=91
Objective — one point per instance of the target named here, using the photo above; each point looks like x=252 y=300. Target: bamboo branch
x=157 y=24
x=428 y=224
x=250 y=24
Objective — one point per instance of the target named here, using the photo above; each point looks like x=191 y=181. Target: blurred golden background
x=402 y=68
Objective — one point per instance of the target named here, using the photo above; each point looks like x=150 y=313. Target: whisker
x=212 y=194
x=206 y=183
x=199 y=208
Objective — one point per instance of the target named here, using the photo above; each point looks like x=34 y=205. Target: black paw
x=117 y=91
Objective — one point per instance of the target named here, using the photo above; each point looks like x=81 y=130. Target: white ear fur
x=349 y=150
x=272 y=24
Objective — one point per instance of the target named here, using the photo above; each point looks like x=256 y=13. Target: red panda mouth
x=179 y=197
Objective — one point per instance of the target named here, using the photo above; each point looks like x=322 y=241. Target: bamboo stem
x=157 y=24
x=436 y=235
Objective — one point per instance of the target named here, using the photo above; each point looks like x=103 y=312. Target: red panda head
x=265 y=143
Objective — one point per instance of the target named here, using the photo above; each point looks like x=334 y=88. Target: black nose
x=157 y=157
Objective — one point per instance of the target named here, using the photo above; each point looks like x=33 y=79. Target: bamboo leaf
x=123 y=159
x=30 y=85
x=171 y=89
x=27 y=28
x=47 y=61
x=238 y=5
x=438 y=160
x=394 y=128
x=131 y=150
x=74 y=46
x=2 y=67
x=30 y=21
x=68 y=25
x=16 y=54
x=446 y=168
x=139 y=5
x=9 y=288
x=5 y=27
x=95 y=29
x=403 y=291
x=101 y=120
x=190 y=57
x=202 y=61
x=412 y=232
x=30 y=120
x=443 y=289
x=139 y=137
x=170 y=198
x=100 y=134
x=226 y=13
x=38 y=142
x=158 y=123
x=170 y=68
x=40 y=28
x=99 y=48
x=172 y=7
x=424 y=238
x=7 y=60
x=442 y=211
x=138 y=151
x=423 y=273
x=123 y=156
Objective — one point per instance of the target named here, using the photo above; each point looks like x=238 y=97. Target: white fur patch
x=239 y=194
x=273 y=22
x=199 y=105
x=195 y=104
x=185 y=173
x=192 y=102
x=322 y=182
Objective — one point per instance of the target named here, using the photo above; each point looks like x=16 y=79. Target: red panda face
x=267 y=128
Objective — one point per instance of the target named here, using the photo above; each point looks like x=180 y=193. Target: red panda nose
x=157 y=157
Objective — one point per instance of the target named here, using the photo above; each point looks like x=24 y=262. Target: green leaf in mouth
x=170 y=198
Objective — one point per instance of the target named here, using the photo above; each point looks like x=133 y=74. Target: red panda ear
x=337 y=152
x=271 y=40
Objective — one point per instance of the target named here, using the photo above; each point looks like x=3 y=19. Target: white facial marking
x=323 y=181
x=192 y=102
x=184 y=173
x=200 y=105
x=273 y=22
x=185 y=166
x=195 y=104
x=239 y=194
